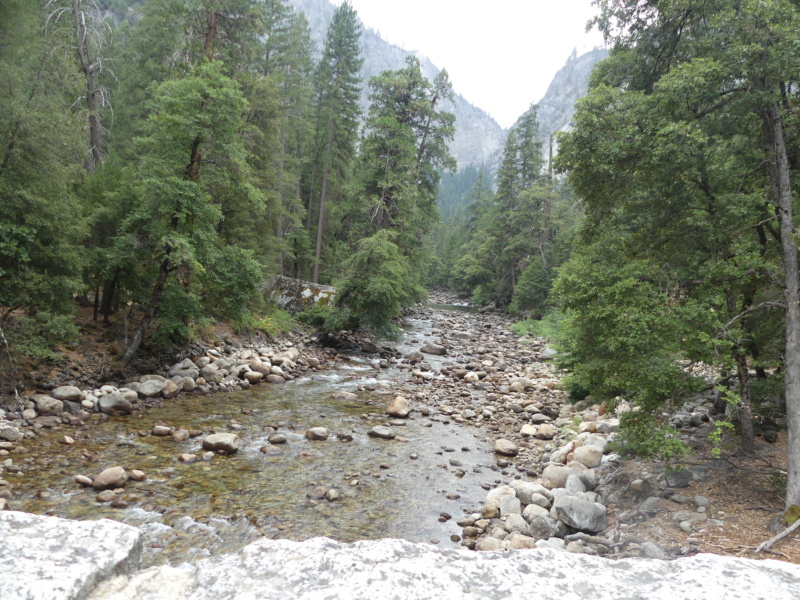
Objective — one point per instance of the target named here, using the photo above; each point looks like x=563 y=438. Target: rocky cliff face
x=478 y=139
x=568 y=86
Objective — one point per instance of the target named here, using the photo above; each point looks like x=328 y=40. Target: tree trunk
x=320 y=220
x=87 y=66
x=745 y=404
x=150 y=312
x=109 y=287
x=782 y=196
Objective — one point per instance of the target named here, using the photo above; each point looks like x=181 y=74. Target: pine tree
x=338 y=86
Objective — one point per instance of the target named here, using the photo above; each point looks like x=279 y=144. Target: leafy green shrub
x=546 y=327
x=532 y=290
x=36 y=336
x=641 y=435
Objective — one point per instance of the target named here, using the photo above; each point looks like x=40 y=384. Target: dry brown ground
x=742 y=493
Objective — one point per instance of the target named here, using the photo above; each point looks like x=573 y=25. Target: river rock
x=83 y=480
x=253 y=377
x=151 y=389
x=588 y=455
x=546 y=431
x=317 y=433
x=277 y=438
x=170 y=389
x=67 y=392
x=528 y=430
x=381 y=431
x=506 y=447
x=510 y=505
x=185 y=368
x=527 y=490
x=581 y=514
x=115 y=477
x=11 y=434
x=137 y=475
x=345 y=396
x=161 y=430
x=555 y=476
x=275 y=379
x=542 y=527
x=114 y=404
x=399 y=407
x=434 y=349
x=229 y=442
x=106 y=496
x=47 y=405
x=534 y=510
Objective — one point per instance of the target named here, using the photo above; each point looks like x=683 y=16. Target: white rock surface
x=395 y=569
x=47 y=558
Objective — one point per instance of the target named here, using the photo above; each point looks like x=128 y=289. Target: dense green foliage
x=207 y=148
x=683 y=153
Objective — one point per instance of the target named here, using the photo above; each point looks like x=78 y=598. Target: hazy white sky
x=500 y=54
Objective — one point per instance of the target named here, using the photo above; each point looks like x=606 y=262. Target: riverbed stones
x=382 y=432
x=349 y=396
x=555 y=476
x=106 y=496
x=161 y=430
x=317 y=434
x=67 y=392
x=114 y=477
x=227 y=442
x=114 y=404
x=83 y=480
x=399 y=407
x=137 y=475
x=47 y=405
x=505 y=447
x=277 y=439
x=10 y=433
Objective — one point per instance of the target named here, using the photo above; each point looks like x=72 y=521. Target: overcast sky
x=500 y=54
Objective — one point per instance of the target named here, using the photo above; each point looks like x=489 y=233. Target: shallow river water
x=388 y=488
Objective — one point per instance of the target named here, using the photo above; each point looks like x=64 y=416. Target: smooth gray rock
x=510 y=505
x=229 y=442
x=581 y=514
x=67 y=392
x=11 y=434
x=381 y=431
x=114 y=404
x=47 y=558
x=47 y=405
x=435 y=349
x=395 y=569
x=151 y=388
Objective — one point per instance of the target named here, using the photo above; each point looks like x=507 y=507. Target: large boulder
x=228 y=442
x=506 y=447
x=581 y=514
x=47 y=405
x=67 y=392
x=151 y=388
x=47 y=558
x=114 y=404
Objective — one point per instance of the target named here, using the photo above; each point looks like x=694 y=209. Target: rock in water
x=229 y=442
x=381 y=431
x=506 y=447
x=67 y=392
x=399 y=407
x=434 y=349
x=115 y=477
x=317 y=434
x=47 y=558
x=115 y=404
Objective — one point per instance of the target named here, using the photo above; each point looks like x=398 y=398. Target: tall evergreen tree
x=338 y=86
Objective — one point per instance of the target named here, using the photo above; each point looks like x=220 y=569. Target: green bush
x=377 y=284
x=641 y=435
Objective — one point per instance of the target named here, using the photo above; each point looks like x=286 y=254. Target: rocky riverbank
x=551 y=483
